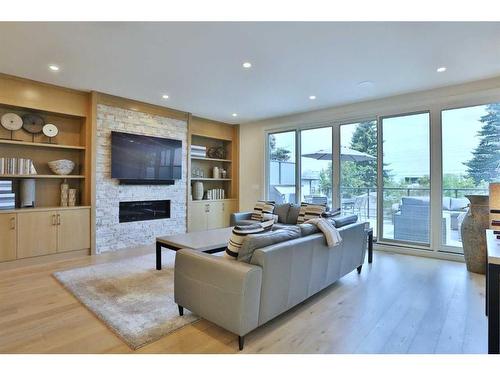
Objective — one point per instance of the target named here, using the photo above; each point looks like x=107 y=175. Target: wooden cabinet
x=36 y=233
x=8 y=238
x=210 y=215
x=73 y=230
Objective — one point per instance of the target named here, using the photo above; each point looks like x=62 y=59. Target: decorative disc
x=33 y=123
x=50 y=130
x=11 y=121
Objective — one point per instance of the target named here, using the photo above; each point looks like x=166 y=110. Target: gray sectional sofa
x=241 y=296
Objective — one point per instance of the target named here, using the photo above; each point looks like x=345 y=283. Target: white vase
x=215 y=172
x=198 y=191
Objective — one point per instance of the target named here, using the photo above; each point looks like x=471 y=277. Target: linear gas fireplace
x=144 y=210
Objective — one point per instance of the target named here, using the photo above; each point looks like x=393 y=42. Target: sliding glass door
x=282 y=167
x=471 y=160
x=405 y=169
x=358 y=170
x=316 y=166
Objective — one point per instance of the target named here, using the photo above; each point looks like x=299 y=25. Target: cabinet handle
x=58 y=219
x=54 y=220
x=12 y=223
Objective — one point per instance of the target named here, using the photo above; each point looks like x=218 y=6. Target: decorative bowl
x=61 y=167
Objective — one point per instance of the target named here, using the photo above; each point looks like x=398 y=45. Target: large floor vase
x=473 y=228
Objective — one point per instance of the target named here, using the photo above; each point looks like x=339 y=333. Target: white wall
x=252 y=135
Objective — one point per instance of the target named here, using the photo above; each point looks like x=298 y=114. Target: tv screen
x=139 y=157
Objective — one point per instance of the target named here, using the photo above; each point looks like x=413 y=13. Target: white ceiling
x=199 y=64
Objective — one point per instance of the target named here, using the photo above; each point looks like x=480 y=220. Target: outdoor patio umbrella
x=346 y=154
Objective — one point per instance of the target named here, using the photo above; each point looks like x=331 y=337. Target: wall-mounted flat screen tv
x=143 y=159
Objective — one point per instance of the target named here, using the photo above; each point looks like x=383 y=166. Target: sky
x=406 y=142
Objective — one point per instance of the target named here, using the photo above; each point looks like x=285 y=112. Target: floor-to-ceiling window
x=282 y=167
x=406 y=178
x=358 y=170
x=470 y=160
x=316 y=165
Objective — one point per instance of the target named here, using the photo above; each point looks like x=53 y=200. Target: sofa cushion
x=239 y=234
x=247 y=222
x=282 y=211
x=257 y=241
x=458 y=204
x=293 y=214
x=307 y=229
x=277 y=226
x=415 y=201
x=342 y=221
x=310 y=211
x=262 y=207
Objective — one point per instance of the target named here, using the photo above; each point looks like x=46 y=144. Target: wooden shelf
x=211 y=200
x=37 y=144
x=37 y=209
x=41 y=176
x=211 y=159
x=209 y=179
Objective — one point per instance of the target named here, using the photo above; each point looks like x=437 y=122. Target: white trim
x=421 y=253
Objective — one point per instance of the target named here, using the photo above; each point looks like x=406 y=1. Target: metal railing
x=393 y=195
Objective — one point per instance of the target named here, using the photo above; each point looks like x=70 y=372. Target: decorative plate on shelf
x=11 y=121
x=33 y=123
x=50 y=130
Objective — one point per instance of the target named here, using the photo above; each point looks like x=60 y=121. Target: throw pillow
x=282 y=211
x=293 y=214
x=310 y=211
x=257 y=241
x=308 y=229
x=240 y=232
x=267 y=217
x=262 y=207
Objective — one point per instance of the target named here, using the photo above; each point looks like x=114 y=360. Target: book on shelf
x=5 y=186
x=7 y=200
x=17 y=166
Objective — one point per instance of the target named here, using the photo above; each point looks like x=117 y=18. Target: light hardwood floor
x=399 y=304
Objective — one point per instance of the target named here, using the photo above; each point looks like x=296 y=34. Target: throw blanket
x=331 y=233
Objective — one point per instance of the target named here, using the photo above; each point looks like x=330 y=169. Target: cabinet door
x=216 y=215
x=8 y=238
x=73 y=230
x=197 y=216
x=36 y=233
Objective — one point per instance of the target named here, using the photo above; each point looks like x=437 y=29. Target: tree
x=485 y=163
x=277 y=154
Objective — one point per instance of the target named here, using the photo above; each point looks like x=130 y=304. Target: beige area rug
x=130 y=296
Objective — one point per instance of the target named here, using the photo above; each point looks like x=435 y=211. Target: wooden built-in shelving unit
x=213 y=213
x=47 y=228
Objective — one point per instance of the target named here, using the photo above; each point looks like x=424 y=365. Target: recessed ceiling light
x=441 y=69
x=234 y=115
x=164 y=96
x=53 y=67
x=247 y=65
x=312 y=97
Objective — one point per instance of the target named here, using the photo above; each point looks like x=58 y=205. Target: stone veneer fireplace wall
x=110 y=233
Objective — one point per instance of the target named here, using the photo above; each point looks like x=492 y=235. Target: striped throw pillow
x=310 y=211
x=261 y=208
x=239 y=234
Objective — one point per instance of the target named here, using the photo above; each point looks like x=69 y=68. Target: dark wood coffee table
x=207 y=241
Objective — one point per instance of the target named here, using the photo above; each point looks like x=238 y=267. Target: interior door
x=73 y=230
x=36 y=233
x=197 y=216
x=8 y=237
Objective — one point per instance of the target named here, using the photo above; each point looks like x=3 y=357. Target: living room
x=250 y=187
